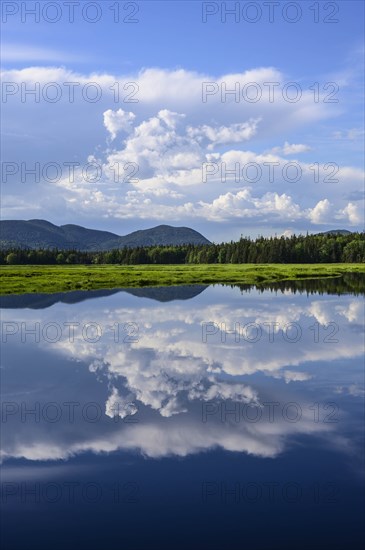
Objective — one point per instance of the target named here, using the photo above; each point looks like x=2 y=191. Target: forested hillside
x=321 y=248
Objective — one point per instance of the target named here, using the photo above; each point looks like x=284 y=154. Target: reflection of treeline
x=324 y=248
x=348 y=283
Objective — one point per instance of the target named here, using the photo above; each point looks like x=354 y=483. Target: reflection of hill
x=42 y=301
x=168 y=293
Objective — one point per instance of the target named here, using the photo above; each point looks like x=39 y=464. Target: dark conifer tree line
x=321 y=248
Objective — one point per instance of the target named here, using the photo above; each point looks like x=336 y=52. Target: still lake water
x=184 y=417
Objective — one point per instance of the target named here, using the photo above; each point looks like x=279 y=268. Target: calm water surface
x=184 y=417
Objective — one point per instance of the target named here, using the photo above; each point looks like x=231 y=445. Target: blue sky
x=169 y=136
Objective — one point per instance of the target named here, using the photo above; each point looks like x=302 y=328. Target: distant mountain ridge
x=336 y=232
x=43 y=234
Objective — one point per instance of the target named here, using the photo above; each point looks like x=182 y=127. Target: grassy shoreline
x=24 y=279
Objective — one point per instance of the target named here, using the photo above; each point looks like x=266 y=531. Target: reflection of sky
x=170 y=377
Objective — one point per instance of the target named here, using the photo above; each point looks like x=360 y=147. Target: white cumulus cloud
x=117 y=121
